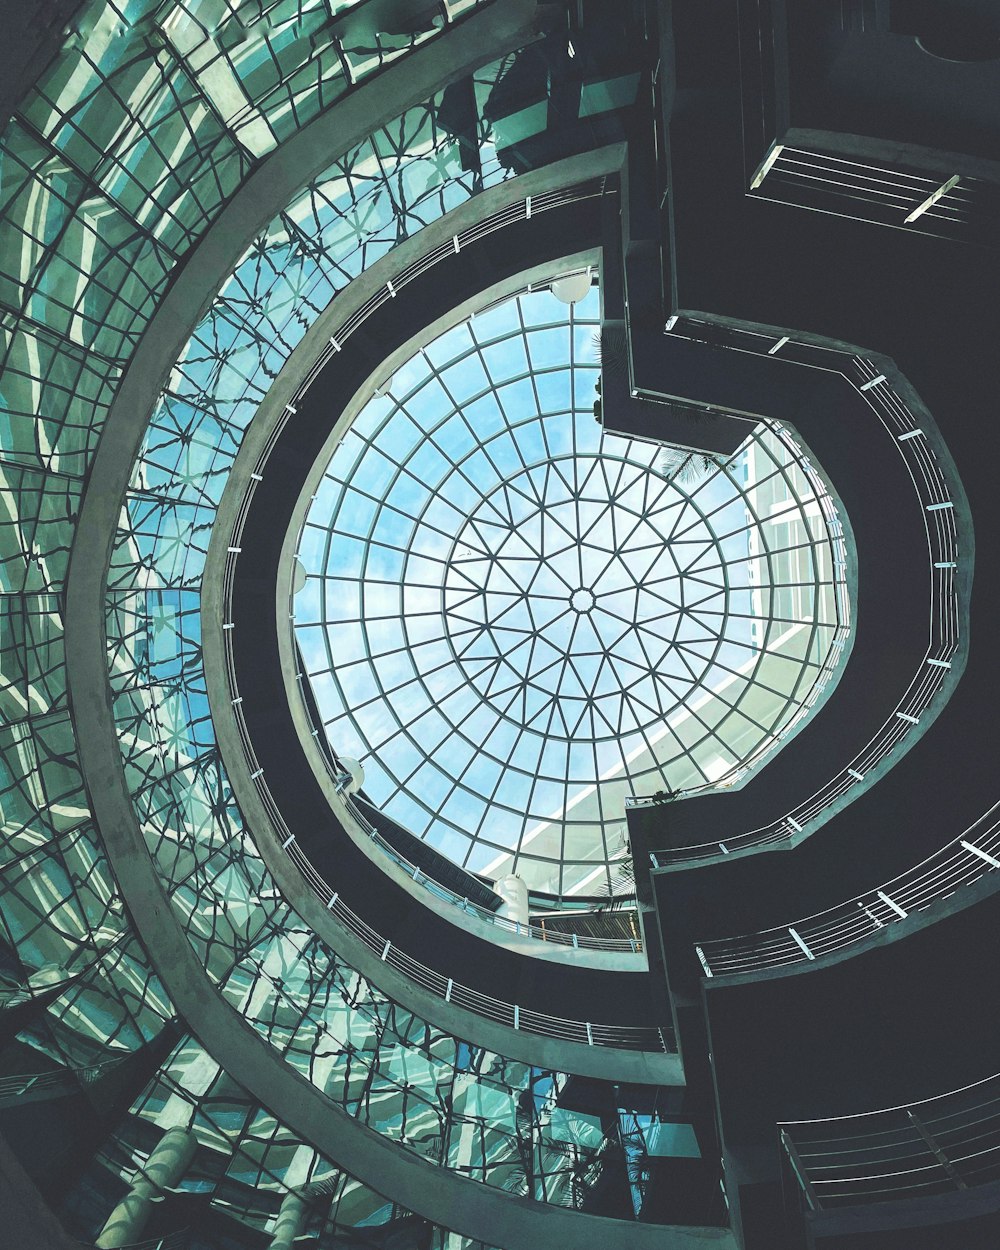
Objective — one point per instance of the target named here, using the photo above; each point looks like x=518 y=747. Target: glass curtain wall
x=116 y=163
x=243 y=1177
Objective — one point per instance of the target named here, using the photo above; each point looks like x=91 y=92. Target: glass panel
x=535 y=618
x=247 y=1168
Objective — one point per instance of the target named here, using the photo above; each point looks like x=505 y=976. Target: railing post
x=946 y=1165
x=590 y=1034
x=801 y=1175
x=517 y=1016
x=983 y=855
x=891 y=904
x=801 y=945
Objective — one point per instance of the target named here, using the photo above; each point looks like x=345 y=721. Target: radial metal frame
x=796 y=476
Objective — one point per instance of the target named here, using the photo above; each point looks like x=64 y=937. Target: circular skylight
x=515 y=620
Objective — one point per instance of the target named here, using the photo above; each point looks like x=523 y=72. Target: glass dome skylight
x=515 y=620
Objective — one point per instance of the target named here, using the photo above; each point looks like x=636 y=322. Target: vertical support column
x=289 y=1222
x=164 y=1167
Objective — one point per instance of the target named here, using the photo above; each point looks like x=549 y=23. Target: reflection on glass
x=247 y=1168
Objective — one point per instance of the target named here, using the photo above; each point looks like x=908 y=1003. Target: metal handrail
x=509 y=1014
x=518 y=211
x=932 y=490
x=637 y=1038
x=938 y=1145
x=526 y=929
x=962 y=862
x=632 y=1038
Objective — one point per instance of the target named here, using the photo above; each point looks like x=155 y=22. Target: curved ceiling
x=514 y=619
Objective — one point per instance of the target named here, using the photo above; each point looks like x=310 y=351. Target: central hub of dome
x=562 y=597
x=515 y=619
x=582 y=600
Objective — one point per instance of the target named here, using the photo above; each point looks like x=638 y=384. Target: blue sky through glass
x=514 y=619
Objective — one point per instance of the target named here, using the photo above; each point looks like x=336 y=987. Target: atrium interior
x=496 y=626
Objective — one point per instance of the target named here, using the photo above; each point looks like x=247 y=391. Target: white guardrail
x=940 y=1145
x=933 y=492
x=960 y=863
x=588 y=1033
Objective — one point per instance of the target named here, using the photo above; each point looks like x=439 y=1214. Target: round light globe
x=571 y=288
